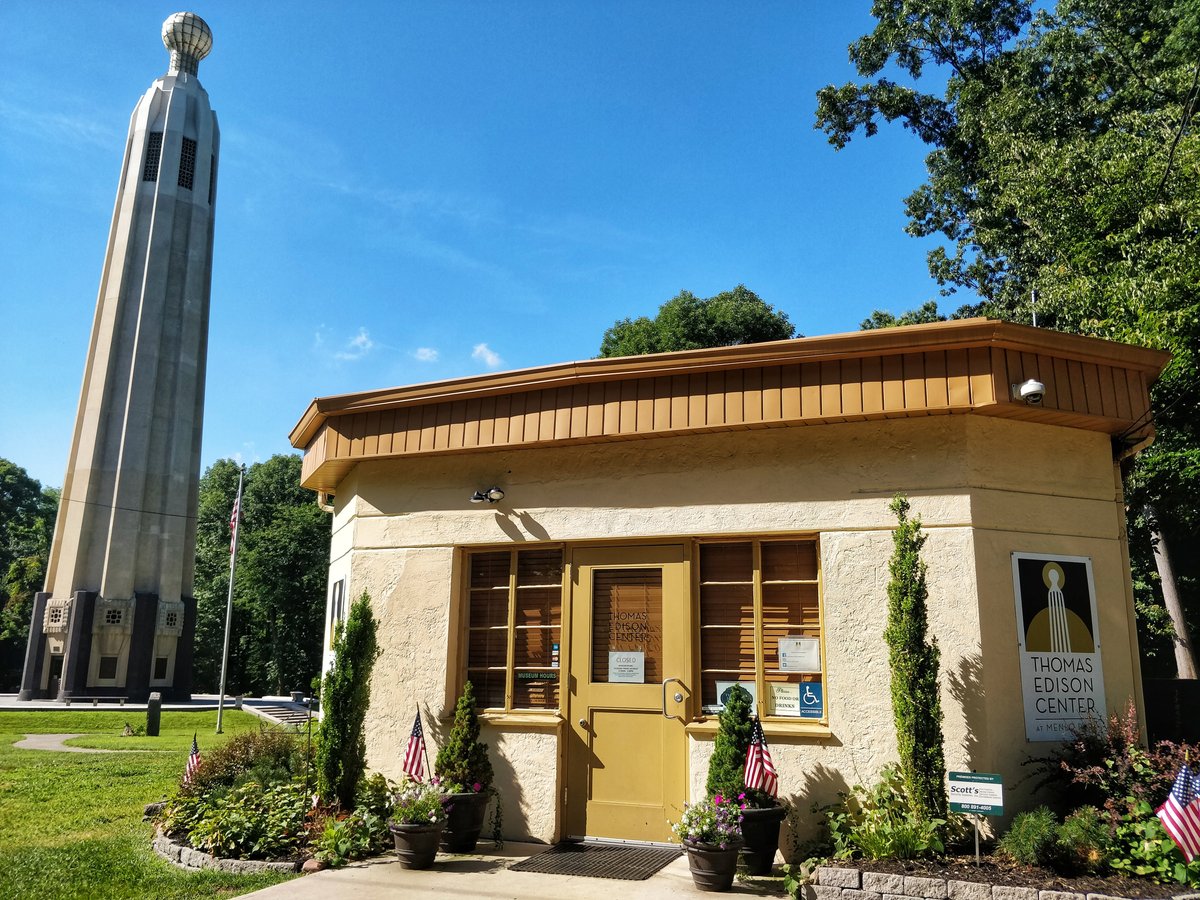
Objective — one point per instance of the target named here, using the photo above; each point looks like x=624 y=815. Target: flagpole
x=425 y=746
x=235 y=520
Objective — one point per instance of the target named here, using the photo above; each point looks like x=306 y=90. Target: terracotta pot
x=712 y=868
x=464 y=821
x=416 y=845
x=760 y=832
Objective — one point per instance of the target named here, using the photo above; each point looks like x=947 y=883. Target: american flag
x=1180 y=815
x=233 y=519
x=760 y=768
x=414 y=756
x=193 y=762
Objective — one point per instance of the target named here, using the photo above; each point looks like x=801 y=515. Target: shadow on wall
x=511 y=799
x=504 y=779
x=821 y=787
x=966 y=687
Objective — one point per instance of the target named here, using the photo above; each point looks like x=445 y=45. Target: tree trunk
x=1185 y=654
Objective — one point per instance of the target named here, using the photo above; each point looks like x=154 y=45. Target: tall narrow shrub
x=345 y=695
x=914 y=663
x=727 y=765
x=463 y=762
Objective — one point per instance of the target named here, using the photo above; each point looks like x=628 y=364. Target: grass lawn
x=71 y=823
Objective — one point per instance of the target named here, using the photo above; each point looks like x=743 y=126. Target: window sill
x=552 y=719
x=708 y=727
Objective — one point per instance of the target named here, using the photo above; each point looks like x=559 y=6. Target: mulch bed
x=997 y=870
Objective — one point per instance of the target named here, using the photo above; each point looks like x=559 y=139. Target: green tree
x=341 y=757
x=279 y=595
x=1063 y=162
x=924 y=314
x=27 y=516
x=463 y=761
x=727 y=765
x=914 y=660
x=688 y=322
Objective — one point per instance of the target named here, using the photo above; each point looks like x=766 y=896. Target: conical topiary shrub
x=727 y=765
x=463 y=764
x=763 y=814
x=465 y=772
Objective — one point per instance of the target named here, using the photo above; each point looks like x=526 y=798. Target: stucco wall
x=983 y=488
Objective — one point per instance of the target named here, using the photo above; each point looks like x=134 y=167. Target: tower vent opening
x=153 y=154
x=187 y=164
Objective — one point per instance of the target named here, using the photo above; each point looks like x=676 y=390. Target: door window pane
x=627 y=625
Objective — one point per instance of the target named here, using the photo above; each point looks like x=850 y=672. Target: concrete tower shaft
x=127 y=521
x=116 y=616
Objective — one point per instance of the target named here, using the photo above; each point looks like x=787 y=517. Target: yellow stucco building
x=647 y=531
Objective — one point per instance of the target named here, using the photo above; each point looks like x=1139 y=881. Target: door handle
x=678 y=697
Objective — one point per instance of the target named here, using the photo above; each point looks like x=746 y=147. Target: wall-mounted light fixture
x=491 y=495
x=1031 y=391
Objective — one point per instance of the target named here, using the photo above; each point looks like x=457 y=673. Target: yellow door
x=629 y=691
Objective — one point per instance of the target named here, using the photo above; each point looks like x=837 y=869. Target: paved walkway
x=487 y=876
x=55 y=742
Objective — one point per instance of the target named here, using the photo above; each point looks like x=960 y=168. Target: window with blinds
x=760 y=625
x=514 y=628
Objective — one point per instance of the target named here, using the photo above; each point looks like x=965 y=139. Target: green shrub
x=727 y=765
x=1143 y=849
x=357 y=835
x=1083 y=840
x=251 y=821
x=880 y=823
x=914 y=662
x=462 y=764
x=266 y=756
x=345 y=695
x=1032 y=839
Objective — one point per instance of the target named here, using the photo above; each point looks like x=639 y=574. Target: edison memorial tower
x=116 y=618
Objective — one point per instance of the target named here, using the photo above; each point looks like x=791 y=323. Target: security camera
x=1031 y=391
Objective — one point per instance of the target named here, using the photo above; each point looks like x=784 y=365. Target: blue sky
x=417 y=191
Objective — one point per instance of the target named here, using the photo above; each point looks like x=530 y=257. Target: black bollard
x=153 y=714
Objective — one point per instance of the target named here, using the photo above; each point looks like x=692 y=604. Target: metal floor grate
x=624 y=862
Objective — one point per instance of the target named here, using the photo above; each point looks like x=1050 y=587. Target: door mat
x=624 y=862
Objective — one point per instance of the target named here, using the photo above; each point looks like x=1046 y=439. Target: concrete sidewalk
x=486 y=875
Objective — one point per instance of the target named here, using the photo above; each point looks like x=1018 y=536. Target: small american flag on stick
x=1180 y=815
x=414 y=756
x=760 y=768
x=193 y=762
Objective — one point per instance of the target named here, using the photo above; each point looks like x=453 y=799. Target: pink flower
x=477 y=787
x=742 y=796
x=718 y=799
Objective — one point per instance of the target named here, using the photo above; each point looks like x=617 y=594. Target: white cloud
x=357 y=347
x=486 y=355
x=426 y=354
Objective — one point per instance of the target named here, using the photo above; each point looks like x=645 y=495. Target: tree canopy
x=1062 y=161
x=27 y=514
x=279 y=593
x=688 y=322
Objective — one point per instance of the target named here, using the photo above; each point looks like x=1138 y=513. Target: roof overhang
x=956 y=367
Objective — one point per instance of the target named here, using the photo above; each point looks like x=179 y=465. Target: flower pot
x=464 y=821
x=712 y=868
x=416 y=845
x=760 y=832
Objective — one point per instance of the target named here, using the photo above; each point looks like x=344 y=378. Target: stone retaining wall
x=190 y=859
x=850 y=884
